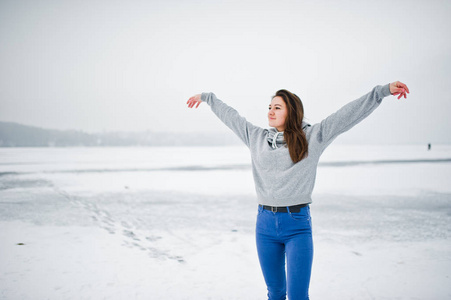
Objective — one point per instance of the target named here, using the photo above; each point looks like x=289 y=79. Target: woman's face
x=277 y=113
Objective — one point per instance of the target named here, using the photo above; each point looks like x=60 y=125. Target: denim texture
x=285 y=250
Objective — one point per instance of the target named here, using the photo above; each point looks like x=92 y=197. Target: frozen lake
x=178 y=223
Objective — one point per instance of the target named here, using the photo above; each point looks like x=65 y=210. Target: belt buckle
x=272 y=209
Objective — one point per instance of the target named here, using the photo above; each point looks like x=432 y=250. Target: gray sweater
x=279 y=181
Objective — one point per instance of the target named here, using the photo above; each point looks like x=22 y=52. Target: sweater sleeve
x=230 y=117
x=351 y=114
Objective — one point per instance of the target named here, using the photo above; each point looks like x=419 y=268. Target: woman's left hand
x=399 y=88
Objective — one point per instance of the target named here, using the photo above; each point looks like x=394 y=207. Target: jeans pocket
x=299 y=217
x=303 y=215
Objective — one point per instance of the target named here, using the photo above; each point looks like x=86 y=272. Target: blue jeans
x=285 y=236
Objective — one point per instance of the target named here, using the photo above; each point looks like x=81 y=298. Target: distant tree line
x=17 y=135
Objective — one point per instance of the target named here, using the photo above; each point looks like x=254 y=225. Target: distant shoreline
x=18 y=135
x=14 y=135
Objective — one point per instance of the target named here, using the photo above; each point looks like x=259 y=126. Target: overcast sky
x=132 y=65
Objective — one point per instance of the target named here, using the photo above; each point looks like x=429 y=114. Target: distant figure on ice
x=429 y=146
x=284 y=162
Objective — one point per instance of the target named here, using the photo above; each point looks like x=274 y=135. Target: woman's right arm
x=228 y=115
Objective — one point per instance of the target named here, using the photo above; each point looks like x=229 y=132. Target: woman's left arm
x=354 y=112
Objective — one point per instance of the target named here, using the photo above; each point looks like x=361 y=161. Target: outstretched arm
x=228 y=115
x=354 y=112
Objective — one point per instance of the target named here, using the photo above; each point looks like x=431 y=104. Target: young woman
x=284 y=162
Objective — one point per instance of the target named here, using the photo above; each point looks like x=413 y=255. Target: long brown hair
x=293 y=134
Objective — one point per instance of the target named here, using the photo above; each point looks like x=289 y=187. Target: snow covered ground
x=178 y=223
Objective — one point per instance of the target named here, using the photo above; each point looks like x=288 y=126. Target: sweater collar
x=275 y=138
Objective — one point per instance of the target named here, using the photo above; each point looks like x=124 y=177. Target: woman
x=284 y=162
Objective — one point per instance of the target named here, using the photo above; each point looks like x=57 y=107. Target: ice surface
x=178 y=223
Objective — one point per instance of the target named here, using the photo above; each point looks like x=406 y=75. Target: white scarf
x=275 y=138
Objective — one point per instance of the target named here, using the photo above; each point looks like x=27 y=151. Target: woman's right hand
x=194 y=100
